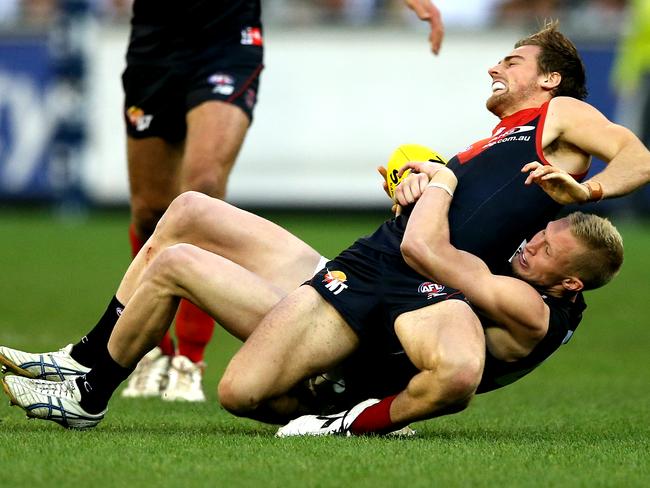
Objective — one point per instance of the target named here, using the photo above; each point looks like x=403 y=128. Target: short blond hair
x=603 y=245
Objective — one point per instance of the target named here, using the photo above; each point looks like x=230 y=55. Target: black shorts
x=158 y=96
x=370 y=289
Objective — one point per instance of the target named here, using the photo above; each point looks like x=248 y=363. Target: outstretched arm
x=578 y=124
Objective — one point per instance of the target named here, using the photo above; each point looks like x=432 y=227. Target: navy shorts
x=158 y=96
x=370 y=289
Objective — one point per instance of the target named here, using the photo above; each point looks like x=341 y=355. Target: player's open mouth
x=522 y=259
x=498 y=86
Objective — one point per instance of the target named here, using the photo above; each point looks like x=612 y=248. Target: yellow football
x=402 y=155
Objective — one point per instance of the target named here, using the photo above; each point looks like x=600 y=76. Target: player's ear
x=552 y=80
x=572 y=284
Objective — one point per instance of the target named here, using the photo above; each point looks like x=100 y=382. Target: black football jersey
x=168 y=31
x=492 y=211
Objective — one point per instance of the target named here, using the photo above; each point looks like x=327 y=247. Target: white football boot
x=52 y=366
x=184 y=381
x=149 y=377
x=337 y=424
x=57 y=401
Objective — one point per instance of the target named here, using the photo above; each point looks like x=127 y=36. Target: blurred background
x=346 y=82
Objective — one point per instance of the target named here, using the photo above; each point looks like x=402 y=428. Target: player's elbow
x=646 y=169
x=417 y=254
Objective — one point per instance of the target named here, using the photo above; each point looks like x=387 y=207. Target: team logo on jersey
x=431 y=289
x=138 y=119
x=335 y=281
x=252 y=36
x=223 y=84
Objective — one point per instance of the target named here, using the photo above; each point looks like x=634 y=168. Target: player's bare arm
x=575 y=130
x=427 y=11
x=511 y=302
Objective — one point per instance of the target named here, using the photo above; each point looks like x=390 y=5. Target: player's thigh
x=249 y=240
x=215 y=133
x=446 y=333
x=154 y=171
x=302 y=336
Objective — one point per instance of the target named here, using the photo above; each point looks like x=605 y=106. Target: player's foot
x=337 y=424
x=149 y=377
x=49 y=400
x=184 y=381
x=52 y=366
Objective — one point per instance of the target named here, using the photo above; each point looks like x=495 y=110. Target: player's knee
x=183 y=216
x=169 y=266
x=459 y=377
x=235 y=396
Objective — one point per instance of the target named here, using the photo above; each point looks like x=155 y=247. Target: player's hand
x=384 y=179
x=395 y=209
x=411 y=188
x=429 y=168
x=427 y=11
x=557 y=183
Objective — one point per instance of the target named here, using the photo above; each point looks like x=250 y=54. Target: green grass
x=582 y=419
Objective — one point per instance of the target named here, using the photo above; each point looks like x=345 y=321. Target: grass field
x=581 y=420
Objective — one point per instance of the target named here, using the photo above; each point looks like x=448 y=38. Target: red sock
x=194 y=329
x=135 y=240
x=167 y=344
x=375 y=419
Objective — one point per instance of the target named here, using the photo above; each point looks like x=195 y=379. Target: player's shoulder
x=569 y=107
x=565 y=113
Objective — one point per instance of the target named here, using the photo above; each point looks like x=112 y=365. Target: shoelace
x=55 y=388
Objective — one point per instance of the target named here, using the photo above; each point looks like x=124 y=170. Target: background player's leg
x=215 y=134
x=154 y=180
x=301 y=337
